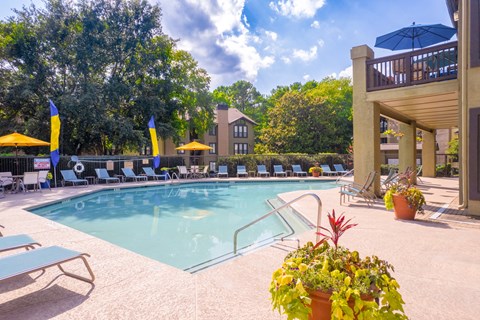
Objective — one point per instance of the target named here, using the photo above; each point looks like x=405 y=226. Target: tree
x=107 y=66
x=313 y=118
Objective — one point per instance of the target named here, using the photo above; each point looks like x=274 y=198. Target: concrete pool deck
x=436 y=263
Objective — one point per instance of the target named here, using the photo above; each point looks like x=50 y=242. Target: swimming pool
x=188 y=226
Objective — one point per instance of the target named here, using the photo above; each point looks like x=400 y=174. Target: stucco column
x=407 y=147
x=366 y=121
x=428 y=154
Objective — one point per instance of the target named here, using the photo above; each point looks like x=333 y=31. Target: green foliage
x=366 y=282
x=385 y=168
x=312 y=118
x=453 y=148
x=108 y=68
x=404 y=187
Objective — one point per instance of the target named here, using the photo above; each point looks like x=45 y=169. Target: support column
x=366 y=121
x=429 y=160
x=407 y=147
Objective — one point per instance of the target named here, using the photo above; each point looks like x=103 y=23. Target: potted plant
x=315 y=171
x=323 y=281
x=404 y=197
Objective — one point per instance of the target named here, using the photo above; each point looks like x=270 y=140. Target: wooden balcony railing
x=427 y=65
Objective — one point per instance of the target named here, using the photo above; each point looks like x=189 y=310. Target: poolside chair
x=339 y=169
x=204 y=173
x=242 y=171
x=389 y=180
x=278 y=170
x=6 y=180
x=16 y=242
x=42 y=178
x=417 y=174
x=70 y=177
x=102 y=174
x=150 y=173
x=222 y=172
x=129 y=174
x=326 y=170
x=262 y=171
x=40 y=259
x=297 y=170
x=30 y=179
x=356 y=190
x=183 y=172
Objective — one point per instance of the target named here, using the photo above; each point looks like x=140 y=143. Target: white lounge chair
x=30 y=179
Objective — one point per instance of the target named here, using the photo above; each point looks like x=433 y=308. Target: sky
x=277 y=43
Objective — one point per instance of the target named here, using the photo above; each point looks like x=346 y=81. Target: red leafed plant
x=338 y=226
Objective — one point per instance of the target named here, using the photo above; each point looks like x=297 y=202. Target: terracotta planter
x=402 y=209
x=322 y=306
x=315 y=174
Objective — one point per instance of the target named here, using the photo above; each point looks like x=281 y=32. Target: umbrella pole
x=16 y=159
x=55 y=175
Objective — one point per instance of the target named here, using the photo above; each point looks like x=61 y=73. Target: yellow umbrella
x=19 y=140
x=194 y=146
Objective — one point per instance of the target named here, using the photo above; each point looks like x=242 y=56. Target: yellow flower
x=286 y=279
x=302 y=267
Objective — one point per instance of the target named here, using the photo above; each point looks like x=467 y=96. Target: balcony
x=427 y=65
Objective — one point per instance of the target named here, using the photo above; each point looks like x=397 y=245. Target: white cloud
x=306 y=77
x=286 y=60
x=216 y=34
x=305 y=55
x=315 y=24
x=321 y=43
x=297 y=8
x=346 y=73
x=272 y=35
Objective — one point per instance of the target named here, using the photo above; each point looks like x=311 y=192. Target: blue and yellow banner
x=55 y=133
x=153 y=135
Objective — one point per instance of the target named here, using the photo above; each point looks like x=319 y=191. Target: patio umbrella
x=194 y=146
x=19 y=140
x=415 y=36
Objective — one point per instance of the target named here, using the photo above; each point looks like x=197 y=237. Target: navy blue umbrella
x=415 y=36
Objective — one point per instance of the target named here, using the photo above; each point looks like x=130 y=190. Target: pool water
x=187 y=226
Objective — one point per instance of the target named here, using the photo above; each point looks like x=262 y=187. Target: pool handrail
x=319 y=217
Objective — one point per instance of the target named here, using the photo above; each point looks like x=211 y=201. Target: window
x=383 y=140
x=240 y=130
x=240 y=148
x=181 y=151
x=214 y=148
x=383 y=125
x=213 y=131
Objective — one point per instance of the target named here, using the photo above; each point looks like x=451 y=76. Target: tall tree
x=107 y=66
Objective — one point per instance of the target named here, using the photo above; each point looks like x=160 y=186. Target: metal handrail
x=344 y=175
x=319 y=214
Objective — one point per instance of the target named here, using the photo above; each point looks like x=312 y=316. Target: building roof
x=234 y=114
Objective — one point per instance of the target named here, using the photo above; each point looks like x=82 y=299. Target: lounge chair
x=222 y=171
x=71 y=177
x=417 y=174
x=204 y=173
x=183 y=172
x=326 y=170
x=278 y=170
x=389 y=180
x=102 y=174
x=297 y=170
x=16 y=242
x=40 y=259
x=242 y=171
x=150 y=173
x=129 y=174
x=6 y=180
x=339 y=169
x=262 y=171
x=356 y=190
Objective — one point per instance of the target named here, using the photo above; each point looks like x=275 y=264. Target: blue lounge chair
x=129 y=174
x=339 y=169
x=42 y=258
x=16 y=242
x=102 y=174
x=262 y=171
x=151 y=174
x=297 y=170
x=242 y=171
x=278 y=170
x=70 y=177
x=326 y=170
x=222 y=171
